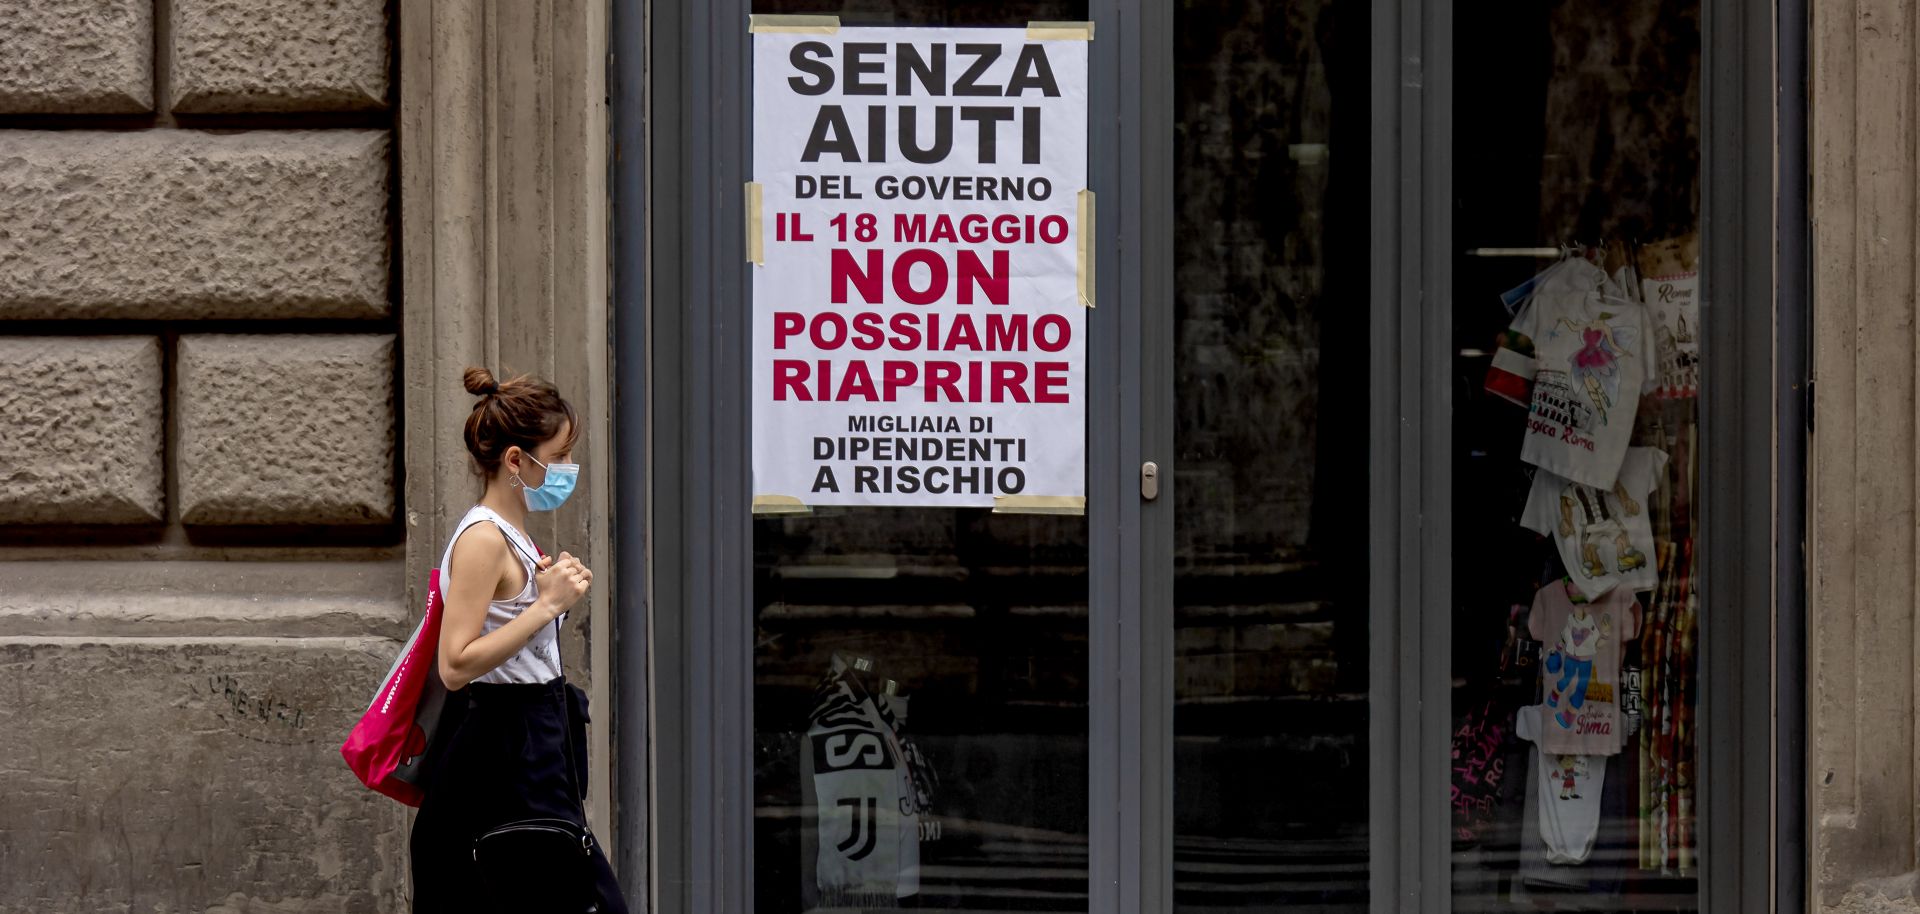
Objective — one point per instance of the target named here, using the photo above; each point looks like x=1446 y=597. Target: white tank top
x=539 y=661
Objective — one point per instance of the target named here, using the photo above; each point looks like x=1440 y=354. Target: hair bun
x=480 y=382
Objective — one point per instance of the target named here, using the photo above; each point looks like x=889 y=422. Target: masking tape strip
x=1084 y=248
x=769 y=23
x=756 y=246
x=1059 y=31
x=1040 y=504
x=779 y=504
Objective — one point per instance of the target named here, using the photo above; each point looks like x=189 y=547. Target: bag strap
x=514 y=543
x=515 y=546
x=566 y=743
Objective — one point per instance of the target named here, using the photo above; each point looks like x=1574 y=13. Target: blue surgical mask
x=553 y=492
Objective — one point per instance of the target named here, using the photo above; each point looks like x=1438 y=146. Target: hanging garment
x=1605 y=536
x=863 y=833
x=1580 y=673
x=1575 y=356
x=1568 y=792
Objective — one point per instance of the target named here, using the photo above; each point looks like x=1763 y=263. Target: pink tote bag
x=387 y=748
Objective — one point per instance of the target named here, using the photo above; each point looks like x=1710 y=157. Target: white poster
x=919 y=291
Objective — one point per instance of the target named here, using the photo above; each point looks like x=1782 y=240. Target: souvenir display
x=1574 y=774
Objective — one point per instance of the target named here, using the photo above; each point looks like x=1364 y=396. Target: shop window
x=1576 y=612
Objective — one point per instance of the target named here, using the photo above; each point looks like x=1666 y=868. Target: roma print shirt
x=1580 y=667
x=1576 y=358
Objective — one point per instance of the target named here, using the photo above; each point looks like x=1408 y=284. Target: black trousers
x=505 y=760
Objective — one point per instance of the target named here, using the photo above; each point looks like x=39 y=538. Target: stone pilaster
x=1864 y=804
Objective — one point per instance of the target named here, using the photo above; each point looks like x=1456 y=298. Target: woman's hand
x=562 y=582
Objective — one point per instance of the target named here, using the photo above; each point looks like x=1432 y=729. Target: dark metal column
x=680 y=161
x=1734 y=770
x=1130 y=420
x=632 y=666
x=1793 y=395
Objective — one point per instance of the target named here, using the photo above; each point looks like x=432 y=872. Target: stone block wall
x=265 y=420
x=90 y=406
x=190 y=224
x=202 y=551
x=77 y=57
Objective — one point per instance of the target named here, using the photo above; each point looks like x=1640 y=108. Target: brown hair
x=523 y=410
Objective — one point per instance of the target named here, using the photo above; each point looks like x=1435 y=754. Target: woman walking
x=502 y=826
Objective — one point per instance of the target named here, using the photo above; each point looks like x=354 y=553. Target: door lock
x=1149 y=481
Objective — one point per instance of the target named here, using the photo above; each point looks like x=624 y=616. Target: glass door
x=1497 y=646
x=921 y=687
x=1472 y=589
x=1270 y=355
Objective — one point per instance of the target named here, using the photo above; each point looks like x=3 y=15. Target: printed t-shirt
x=1580 y=669
x=1576 y=357
x=1605 y=535
x=1567 y=792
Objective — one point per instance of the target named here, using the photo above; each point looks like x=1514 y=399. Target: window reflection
x=953 y=641
x=1271 y=376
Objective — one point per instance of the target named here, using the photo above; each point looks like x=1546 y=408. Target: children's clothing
x=1580 y=671
x=1568 y=797
x=1576 y=357
x=1605 y=535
